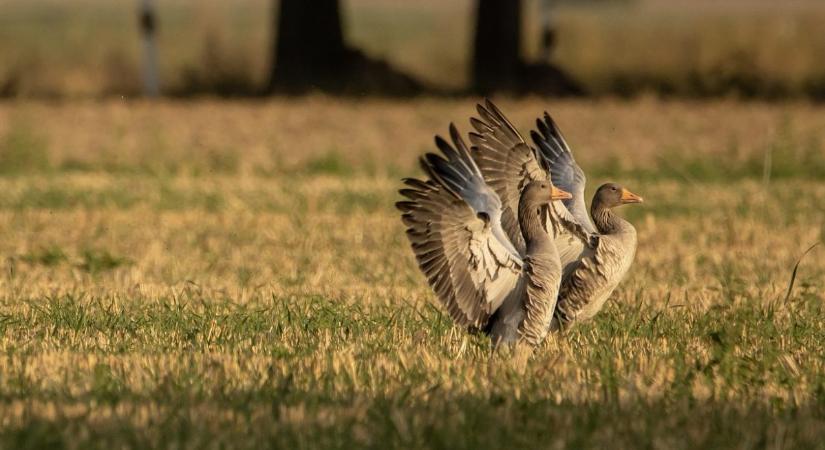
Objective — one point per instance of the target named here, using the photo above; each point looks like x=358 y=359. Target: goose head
x=611 y=195
x=540 y=193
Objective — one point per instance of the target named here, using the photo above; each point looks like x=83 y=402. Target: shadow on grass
x=442 y=420
x=214 y=396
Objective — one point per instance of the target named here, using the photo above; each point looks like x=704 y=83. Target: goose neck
x=606 y=221
x=531 y=221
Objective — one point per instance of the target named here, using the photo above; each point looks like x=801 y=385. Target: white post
x=548 y=30
x=148 y=26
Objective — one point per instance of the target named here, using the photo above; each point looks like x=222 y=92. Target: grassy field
x=234 y=275
x=89 y=48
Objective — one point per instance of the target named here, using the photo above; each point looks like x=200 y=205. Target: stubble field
x=234 y=275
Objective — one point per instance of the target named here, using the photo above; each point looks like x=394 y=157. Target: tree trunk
x=309 y=45
x=497 y=46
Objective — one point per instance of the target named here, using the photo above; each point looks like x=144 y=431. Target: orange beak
x=558 y=194
x=629 y=197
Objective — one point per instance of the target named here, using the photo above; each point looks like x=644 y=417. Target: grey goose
x=503 y=281
x=595 y=254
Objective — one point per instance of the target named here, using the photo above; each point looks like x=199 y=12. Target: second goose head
x=607 y=197
x=611 y=195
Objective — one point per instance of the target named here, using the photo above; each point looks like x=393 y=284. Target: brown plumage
x=594 y=257
x=591 y=279
x=454 y=224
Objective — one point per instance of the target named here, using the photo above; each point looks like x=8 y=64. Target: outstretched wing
x=454 y=225
x=506 y=162
x=564 y=172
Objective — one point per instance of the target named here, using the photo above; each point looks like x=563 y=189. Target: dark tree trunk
x=311 y=53
x=497 y=61
x=309 y=46
x=497 y=45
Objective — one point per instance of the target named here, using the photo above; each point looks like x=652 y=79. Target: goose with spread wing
x=595 y=254
x=454 y=224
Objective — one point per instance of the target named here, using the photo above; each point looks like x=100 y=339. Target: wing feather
x=507 y=163
x=453 y=223
x=564 y=171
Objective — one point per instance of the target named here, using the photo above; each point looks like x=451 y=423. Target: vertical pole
x=548 y=30
x=148 y=26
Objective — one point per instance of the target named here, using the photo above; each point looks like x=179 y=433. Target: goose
x=595 y=250
x=454 y=225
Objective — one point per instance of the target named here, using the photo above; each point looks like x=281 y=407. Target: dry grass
x=215 y=274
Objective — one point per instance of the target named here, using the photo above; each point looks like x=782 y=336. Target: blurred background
x=703 y=48
x=698 y=89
